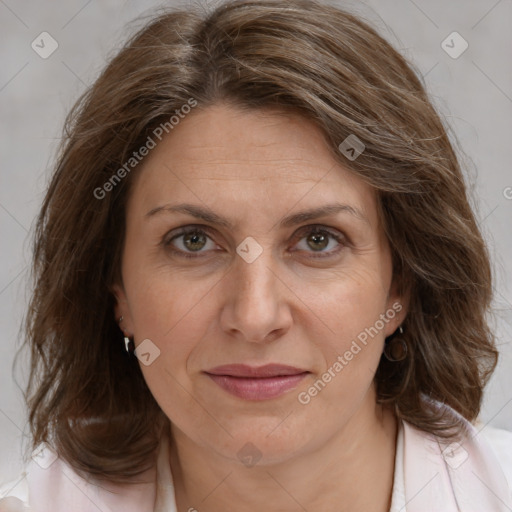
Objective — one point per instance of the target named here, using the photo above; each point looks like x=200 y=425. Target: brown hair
x=85 y=396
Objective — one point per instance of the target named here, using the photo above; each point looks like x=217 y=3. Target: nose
x=256 y=308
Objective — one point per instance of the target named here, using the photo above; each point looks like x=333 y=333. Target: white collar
x=398 y=495
x=165 y=497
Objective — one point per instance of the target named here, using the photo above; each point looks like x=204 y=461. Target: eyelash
x=313 y=229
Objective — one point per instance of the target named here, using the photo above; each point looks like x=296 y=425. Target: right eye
x=189 y=242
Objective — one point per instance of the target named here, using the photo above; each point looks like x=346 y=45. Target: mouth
x=257 y=383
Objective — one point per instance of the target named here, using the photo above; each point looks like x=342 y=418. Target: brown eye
x=317 y=240
x=190 y=241
x=194 y=241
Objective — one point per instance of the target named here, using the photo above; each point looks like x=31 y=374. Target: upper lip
x=243 y=370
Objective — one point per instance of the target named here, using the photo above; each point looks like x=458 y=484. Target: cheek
x=175 y=323
x=163 y=301
x=351 y=350
x=351 y=306
x=158 y=317
x=350 y=301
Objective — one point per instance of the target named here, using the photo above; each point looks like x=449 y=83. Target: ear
x=121 y=308
x=397 y=307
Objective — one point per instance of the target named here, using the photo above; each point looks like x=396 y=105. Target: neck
x=353 y=471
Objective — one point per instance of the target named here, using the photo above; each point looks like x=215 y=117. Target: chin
x=267 y=440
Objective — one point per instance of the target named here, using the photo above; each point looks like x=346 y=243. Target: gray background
x=473 y=92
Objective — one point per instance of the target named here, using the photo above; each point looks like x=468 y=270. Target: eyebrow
x=210 y=216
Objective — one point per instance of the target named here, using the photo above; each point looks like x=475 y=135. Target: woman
x=259 y=284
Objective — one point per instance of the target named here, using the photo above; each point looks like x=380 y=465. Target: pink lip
x=256 y=383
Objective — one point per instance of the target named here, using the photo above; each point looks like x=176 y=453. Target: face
x=255 y=321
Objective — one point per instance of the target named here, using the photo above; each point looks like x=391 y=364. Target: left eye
x=319 y=239
x=193 y=240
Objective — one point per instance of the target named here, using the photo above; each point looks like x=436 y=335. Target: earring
x=129 y=344
x=395 y=348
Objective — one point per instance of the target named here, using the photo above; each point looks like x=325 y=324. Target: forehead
x=224 y=152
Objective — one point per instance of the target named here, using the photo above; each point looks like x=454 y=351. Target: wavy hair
x=85 y=396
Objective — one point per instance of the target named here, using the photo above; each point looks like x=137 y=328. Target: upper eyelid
x=209 y=229
x=335 y=233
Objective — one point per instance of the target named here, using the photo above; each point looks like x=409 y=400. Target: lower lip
x=250 y=388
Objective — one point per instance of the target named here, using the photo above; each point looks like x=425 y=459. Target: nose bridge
x=255 y=302
x=255 y=283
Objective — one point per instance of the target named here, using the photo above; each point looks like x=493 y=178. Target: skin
x=255 y=167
